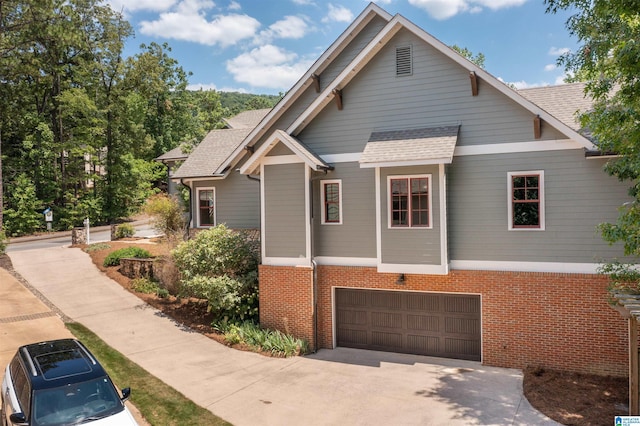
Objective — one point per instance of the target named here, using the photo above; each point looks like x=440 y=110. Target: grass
x=158 y=403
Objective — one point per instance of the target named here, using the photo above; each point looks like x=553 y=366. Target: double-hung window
x=410 y=201
x=206 y=207
x=526 y=200
x=331 y=201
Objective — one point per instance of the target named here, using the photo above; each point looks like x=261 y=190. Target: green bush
x=273 y=341
x=4 y=242
x=147 y=286
x=23 y=215
x=221 y=266
x=168 y=216
x=113 y=259
x=125 y=230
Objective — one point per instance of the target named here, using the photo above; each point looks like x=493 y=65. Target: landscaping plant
x=168 y=216
x=221 y=266
x=125 y=230
x=113 y=259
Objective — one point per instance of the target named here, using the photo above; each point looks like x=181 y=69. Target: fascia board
x=319 y=65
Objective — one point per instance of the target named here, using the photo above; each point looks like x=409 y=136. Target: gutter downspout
x=314 y=264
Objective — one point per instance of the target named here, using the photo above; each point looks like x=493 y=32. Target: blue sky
x=264 y=46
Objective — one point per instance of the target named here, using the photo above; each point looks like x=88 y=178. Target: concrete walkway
x=342 y=386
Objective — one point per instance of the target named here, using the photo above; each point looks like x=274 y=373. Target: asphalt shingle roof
x=247 y=119
x=173 y=155
x=430 y=144
x=214 y=149
x=562 y=101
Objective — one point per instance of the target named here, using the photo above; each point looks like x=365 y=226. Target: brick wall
x=286 y=295
x=540 y=319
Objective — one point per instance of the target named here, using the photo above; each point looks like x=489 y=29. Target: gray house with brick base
x=411 y=202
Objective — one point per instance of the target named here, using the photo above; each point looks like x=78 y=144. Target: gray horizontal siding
x=237 y=201
x=356 y=236
x=437 y=93
x=411 y=246
x=336 y=66
x=578 y=196
x=279 y=149
x=285 y=226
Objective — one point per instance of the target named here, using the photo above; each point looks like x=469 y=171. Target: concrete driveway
x=341 y=386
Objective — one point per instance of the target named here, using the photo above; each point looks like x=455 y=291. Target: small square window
x=331 y=201
x=526 y=200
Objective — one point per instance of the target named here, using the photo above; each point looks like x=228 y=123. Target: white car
x=60 y=382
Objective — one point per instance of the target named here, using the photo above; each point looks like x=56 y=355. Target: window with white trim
x=409 y=201
x=331 y=201
x=206 y=213
x=526 y=200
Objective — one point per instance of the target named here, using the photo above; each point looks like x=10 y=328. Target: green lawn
x=159 y=404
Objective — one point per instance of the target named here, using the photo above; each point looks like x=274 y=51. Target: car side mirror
x=18 y=419
x=126 y=393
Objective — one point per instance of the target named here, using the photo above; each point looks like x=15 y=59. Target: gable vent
x=404 y=63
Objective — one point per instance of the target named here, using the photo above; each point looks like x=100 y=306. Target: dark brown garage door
x=435 y=324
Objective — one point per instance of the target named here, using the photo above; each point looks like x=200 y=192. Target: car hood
x=123 y=418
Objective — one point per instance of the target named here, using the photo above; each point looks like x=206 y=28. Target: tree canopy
x=80 y=124
x=608 y=60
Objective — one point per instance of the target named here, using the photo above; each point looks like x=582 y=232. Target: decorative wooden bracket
x=537 y=127
x=474 y=83
x=338 y=97
x=316 y=82
x=249 y=148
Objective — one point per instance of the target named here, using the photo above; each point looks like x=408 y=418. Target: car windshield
x=75 y=403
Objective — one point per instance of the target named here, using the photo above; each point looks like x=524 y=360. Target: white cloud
x=445 y=9
x=268 y=66
x=338 y=14
x=189 y=23
x=202 y=86
x=291 y=27
x=559 y=51
x=234 y=5
x=150 y=5
x=303 y=2
x=550 y=67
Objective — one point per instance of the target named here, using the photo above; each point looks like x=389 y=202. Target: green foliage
x=236 y=102
x=125 y=230
x=272 y=341
x=4 y=242
x=113 y=259
x=477 y=59
x=215 y=252
x=24 y=214
x=97 y=247
x=221 y=266
x=147 y=286
x=168 y=215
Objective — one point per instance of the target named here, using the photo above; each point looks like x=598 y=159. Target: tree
x=608 y=60
x=477 y=59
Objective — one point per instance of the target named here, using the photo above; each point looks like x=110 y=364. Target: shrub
x=168 y=216
x=4 y=242
x=273 y=341
x=147 y=286
x=113 y=259
x=221 y=266
x=125 y=230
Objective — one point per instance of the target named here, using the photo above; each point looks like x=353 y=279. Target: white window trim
x=322 y=201
x=215 y=207
x=510 y=176
x=429 y=177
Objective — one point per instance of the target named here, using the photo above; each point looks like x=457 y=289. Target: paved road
x=331 y=387
x=59 y=239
